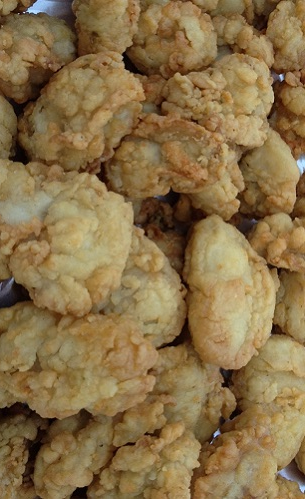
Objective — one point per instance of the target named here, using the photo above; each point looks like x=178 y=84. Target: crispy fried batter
x=7 y=6
x=8 y=129
x=82 y=113
x=175 y=36
x=231 y=295
x=70 y=247
x=290 y=303
x=32 y=47
x=105 y=24
x=232 y=97
x=280 y=240
x=59 y=366
x=73 y=450
x=271 y=175
x=155 y=466
x=151 y=292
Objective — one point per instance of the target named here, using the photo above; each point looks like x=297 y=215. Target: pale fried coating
x=8 y=128
x=33 y=47
x=280 y=240
x=243 y=460
x=153 y=87
x=197 y=395
x=17 y=433
x=233 y=30
x=82 y=113
x=60 y=365
x=231 y=295
x=271 y=175
x=4 y=270
x=7 y=6
x=300 y=457
x=173 y=37
x=169 y=152
x=286 y=31
x=73 y=450
x=233 y=97
x=105 y=24
x=151 y=292
x=290 y=303
x=155 y=466
x=288 y=113
x=71 y=251
x=299 y=207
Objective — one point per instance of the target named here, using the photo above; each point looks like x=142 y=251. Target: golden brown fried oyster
x=105 y=24
x=231 y=296
x=271 y=174
x=290 y=303
x=82 y=113
x=73 y=450
x=32 y=48
x=66 y=236
x=8 y=129
x=233 y=97
x=155 y=466
x=280 y=240
x=60 y=365
x=151 y=292
x=176 y=36
x=7 y=6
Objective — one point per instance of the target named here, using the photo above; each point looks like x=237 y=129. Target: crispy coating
x=233 y=97
x=155 y=466
x=169 y=152
x=17 y=433
x=197 y=395
x=33 y=47
x=299 y=207
x=153 y=87
x=70 y=247
x=105 y=24
x=73 y=450
x=176 y=36
x=233 y=30
x=290 y=303
x=82 y=113
x=60 y=365
x=8 y=128
x=288 y=113
x=5 y=273
x=271 y=175
x=285 y=29
x=300 y=457
x=231 y=297
x=280 y=240
x=151 y=292
x=8 y=6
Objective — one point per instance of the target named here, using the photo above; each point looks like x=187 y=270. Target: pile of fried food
x=152 y=210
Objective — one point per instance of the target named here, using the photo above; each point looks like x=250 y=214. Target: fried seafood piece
x=169 y=152
x=288 y=113
x=105 y=24
x=271 y=174
x=299 y=206
x=34 y=46
x=285 y=29
x=153 y=87
x=176 y=36
x=60 y=365
x=82 y=114
x=67 y=237
x=73 y=450
x=8 y=128
x=232 y=97
x=280 y=240
x=151 y=292
x=231 y=297
x=155 y=466
x=8 y=6
x=290 y=303
x=234 y=31
x=18 y=433
x=244 y=459
x=197 y=395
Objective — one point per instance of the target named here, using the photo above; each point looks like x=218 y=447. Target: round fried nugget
x=82 y=113
x=72 y=249
x=151 y=292
x=33 y=47
x=233 y=97
x=60 y=365
x=231 y=296
x=109 y=24
x=176 y=36
x=290 y=304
